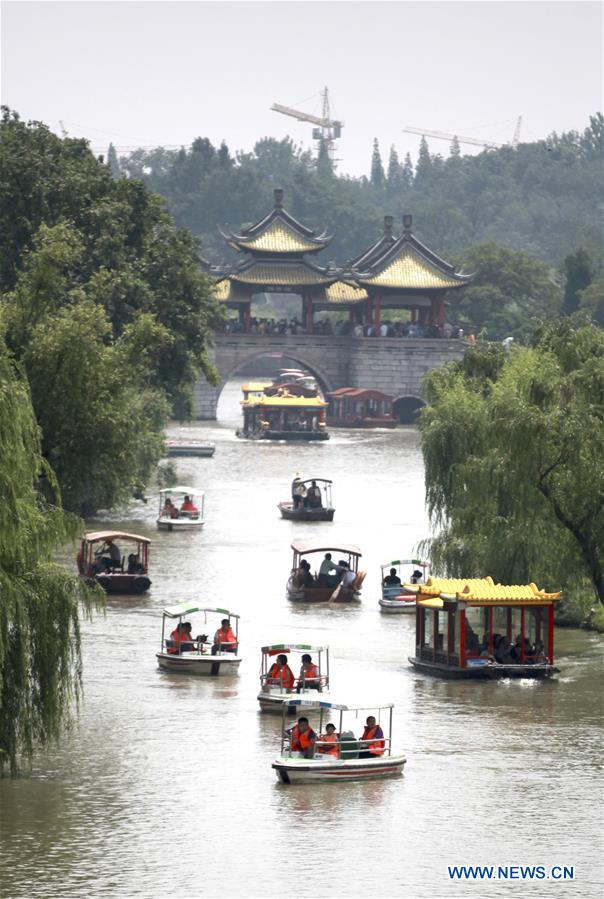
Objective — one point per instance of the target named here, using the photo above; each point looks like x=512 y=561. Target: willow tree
x=513 y=445
x=40 y=664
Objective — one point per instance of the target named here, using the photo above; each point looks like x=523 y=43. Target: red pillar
x=433 y=302
x=462 y=638
x=522 y=632
x=247 y=317
x=550 y=633
x=435 y=632
x=377 y=310
x=414 y=315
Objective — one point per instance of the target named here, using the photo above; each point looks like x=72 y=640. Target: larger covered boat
x=474 y=628
x=116 y=560
x=290 y=410
x=337 y=579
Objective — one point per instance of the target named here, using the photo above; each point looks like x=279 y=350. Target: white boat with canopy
x=180 y=509
x=335 y=754
x=278 y=682
x=182 y=652
x=396 y=598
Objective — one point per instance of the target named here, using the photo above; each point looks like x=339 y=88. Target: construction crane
x=475 y=141
x=328 y=130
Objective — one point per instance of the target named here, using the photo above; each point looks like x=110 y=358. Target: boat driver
x=302 y=739
x=325 y=578
x=392 y=579
x=309 y=674
x=111 y=556
x=224 y=638
x=372 y=741
x=280 y=674
x=188 y=507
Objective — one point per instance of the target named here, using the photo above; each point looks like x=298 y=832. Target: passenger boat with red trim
x=344 y=585
x=180 y=509
x=474 y=628
x=311 y=501
x=332 y=753
x=396 y=599
x=186 y=654
x=110 y=565
x=278 y=683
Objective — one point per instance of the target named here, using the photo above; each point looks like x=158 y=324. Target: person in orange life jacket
x=224 y=638
x=332 y=738
x=309 y=674
x=188 y=506
x=177 y=636
x=280 y=674
x=372 y=741
x=169 y=510
x=303 y=739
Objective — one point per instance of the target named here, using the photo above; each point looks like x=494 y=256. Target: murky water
x=165 y=786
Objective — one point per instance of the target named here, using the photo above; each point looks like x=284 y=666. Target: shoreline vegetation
x=106 y=319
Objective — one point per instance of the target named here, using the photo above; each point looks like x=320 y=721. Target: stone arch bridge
x=395 y=366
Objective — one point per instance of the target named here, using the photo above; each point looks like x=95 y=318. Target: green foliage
x=578 y=270
x=510 y=293
x=377 y=177
x=40 y=667
x=514 y=452
x=106 y=305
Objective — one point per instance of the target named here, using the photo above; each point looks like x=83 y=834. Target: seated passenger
x=325 y=578
x=134 y=564
x=177 y=638
x=309 y=674
x=348 y=577
x=372 y=741
x=417 y=577
x=333 y=739
x=516 y=650
x=188 y=507
x=502 y=650
x=305 y=575
x=302 y=739
x=472 y=644
x=314 y=496
x=224 y=638
x=392 y=579
x=187 y=644
x=169 y=510
x=280 y=674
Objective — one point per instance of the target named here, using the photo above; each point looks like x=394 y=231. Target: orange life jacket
x=176 y=638
x=371 y=733
x=329 y=750
x=310 y=675
x=300 y=742
x=188 y=507
x=229 y=637
x=281 y=677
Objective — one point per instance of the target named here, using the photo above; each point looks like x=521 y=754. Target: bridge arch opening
x=260 y=366
x=407 y=409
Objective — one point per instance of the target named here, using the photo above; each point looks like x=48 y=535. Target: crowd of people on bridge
x=344 y=328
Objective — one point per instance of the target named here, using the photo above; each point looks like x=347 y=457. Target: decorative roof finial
x=388 y=223
x=407 y=223
x=278 y=196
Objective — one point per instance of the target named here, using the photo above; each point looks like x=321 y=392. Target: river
x=165 y=787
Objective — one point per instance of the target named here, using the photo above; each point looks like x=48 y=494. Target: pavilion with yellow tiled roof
x=403 y=273
x=473 y=627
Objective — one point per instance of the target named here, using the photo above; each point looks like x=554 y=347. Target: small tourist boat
x=118 y=567
x=312 y=502
x=342 y=586
x=180 y=509
x=396 y=599
x=283 y=411
x=182 y=447
x=198 y=655
x=357 y=407
x=474 y=628
x=343 y=757
x=277 y=690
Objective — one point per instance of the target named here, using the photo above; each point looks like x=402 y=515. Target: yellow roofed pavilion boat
x=474 y=628
x=289 y=411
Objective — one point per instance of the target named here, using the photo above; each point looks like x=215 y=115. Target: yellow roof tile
x=279 y=238
x=343 y=292
x=280 y=274
x=411 y=271
x=286 y=402
x=482 y=591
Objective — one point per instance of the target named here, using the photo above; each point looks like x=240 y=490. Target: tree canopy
x=513 y=444
x=104 y=303
x=40 y=668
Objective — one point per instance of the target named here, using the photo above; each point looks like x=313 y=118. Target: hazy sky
x=149 y=73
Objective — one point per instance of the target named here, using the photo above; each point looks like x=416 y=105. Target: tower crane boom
x=301 y=116
x=441 y=135
x=326 y=130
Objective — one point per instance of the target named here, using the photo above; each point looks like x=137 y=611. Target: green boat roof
x=286 y=647
x=188 y=608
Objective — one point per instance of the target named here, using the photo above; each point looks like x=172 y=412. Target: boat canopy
x=97 y=536
x=310 y=480
x=190 y=491
x=479 y=592
x=287 y=647
x=303 y=702
x=406 y=562
x=309 y=546
x=187 y=608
